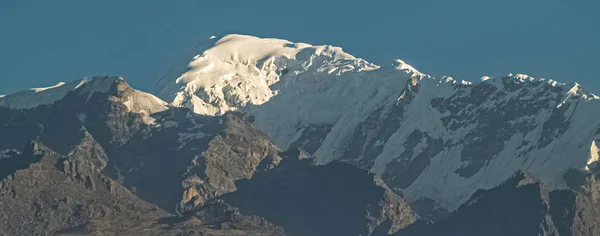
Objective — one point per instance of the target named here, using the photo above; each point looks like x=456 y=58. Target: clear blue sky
x=44 y=42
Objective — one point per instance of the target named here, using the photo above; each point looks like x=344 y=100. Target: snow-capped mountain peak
x=399 y=64
x=439 y=139
x=428 y=138
x=236 y=70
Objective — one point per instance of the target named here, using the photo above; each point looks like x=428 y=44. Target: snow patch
x=81 y=117
x=37 y=90
x=522 y=77
x=450 y=80
x=185 y=138
x=149 y=120
x=494 y=81
x=97 y=84
x=145 y=103
x=594 y=154
x=401 y=65
x=136 y=101
x=170 y=124
x=35 y=97
x=8 y=153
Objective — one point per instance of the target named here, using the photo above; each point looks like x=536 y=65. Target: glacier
x=429 y=138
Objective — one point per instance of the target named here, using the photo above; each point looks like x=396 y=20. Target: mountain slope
x=169 y=158
x=449 y=148
x=519 y=206
x=150 y=147
x=430 y=139
x=332 y=199
x=64 y=195
x=523 y=206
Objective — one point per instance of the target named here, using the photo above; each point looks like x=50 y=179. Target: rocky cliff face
x=55 y=194
x=308 y=138
x=171 y=157
x=120 y=147
x=431 y=140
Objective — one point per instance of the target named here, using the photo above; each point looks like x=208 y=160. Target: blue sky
x=44 y=42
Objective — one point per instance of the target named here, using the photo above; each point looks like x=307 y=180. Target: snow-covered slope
x=44 y=96
x=237 y=70
x=439 y=139
x=320 y=82
x=138 y=101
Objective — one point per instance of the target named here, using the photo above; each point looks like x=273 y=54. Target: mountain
x=126 y=161
x=434 y=141
x=330 y=199
x=252 y=136
x=51 y=194
x=522 y=205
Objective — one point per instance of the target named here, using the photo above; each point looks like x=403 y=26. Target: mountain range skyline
x=295 y=139
x=48 y=42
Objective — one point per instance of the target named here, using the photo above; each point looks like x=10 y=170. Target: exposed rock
x=439 y=139
x=101 y=140
x=42 y=199
x=107 y=159
x=169 y=157
x=233 y=154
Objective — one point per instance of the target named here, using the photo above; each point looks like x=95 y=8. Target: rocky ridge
x=434 y=140
x=123 y=146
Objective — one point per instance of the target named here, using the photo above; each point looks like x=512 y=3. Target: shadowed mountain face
x=517 y=207
x=347 y=129
x=334 y=199
x=64 y=195
x=150 y=154
x=96 y=160
x=521 y=206
x=91 y=154
x=436 y=141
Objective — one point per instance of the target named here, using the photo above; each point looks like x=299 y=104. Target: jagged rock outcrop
x=49 y=197
x=46 y=199
x=170 y=157
x=436 y=141
x=448 y=148
x=126 y=143
x=42 y=199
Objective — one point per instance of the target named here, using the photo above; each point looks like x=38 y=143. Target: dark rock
x=334 y=199
x=520 y=206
